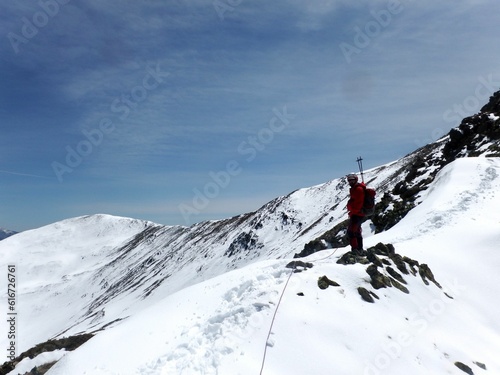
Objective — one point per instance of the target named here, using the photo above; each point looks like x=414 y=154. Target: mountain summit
x=228 y=297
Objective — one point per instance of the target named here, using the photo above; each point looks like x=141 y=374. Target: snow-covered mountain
x=4 y=233
x=154 y=299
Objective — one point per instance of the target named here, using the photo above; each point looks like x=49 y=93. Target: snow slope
x=50 y=274
x=221 y=325
x=94 y=271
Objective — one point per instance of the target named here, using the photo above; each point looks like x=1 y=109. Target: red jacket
x=357 y=198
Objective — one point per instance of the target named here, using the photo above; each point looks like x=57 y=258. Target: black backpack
x=369 y=201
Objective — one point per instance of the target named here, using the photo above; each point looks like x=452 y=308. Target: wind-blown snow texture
x=200 y=300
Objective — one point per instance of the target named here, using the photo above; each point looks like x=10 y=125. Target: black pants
x=354 y=232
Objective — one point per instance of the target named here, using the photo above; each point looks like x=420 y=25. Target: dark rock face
x=324 y=282
x=299 y=266
x=373 y=258
x=378 y=280
x=426 y=274
x=335 y=237
x=480 y=365
x=464 y=368
x=395 y=275
x=367 y=295
x=352 y=258
x=380 y=260
x=476 y=131
x=67 y=343
x=245 y=242
x=477 y=135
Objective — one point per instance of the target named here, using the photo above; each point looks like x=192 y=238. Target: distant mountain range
x=4 y=233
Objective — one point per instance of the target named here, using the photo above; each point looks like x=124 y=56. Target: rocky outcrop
x=324 y=282
x=385 y=267
x=66 y=343
x=477 y=135
x=380 y=261
x=245 y=242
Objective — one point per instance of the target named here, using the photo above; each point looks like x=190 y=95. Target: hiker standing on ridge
x=356 y=215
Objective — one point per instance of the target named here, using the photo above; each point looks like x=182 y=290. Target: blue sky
x=183 y=111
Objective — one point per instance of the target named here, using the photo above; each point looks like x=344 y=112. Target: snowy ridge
x=219 y=326
x=200 y=299
x=84 y=265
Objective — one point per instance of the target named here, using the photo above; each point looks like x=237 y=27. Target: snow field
x=221 y=330
x=339 y=331
x=54 y=288
x=191 y=331
x=220 y=325
x=456 y=230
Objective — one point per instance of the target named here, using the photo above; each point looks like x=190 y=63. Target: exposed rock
x=477 y=135
x=67 y=343
x=480 y=365
x=466 y=138
x=381 y=260
x=367 y=295
x=299 y=266
x=413 y=265
x=311 y=248
x=426 y=273
x=351 y=258
x=385 y=217
x=324 y=282
x=334 y=238
x=41 y=370
x=374 y=259
x=243 y=243
x=464 y=368
x=395 y=274
x=378 y=280
x=400 y=263
x=8 y=367
x=386 y=261
x=383 y=249
x=399 y=286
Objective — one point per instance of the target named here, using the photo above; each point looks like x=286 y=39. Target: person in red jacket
x=356 y=215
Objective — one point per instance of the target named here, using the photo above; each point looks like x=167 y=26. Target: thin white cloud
x=23 y=174
x=226 y=78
